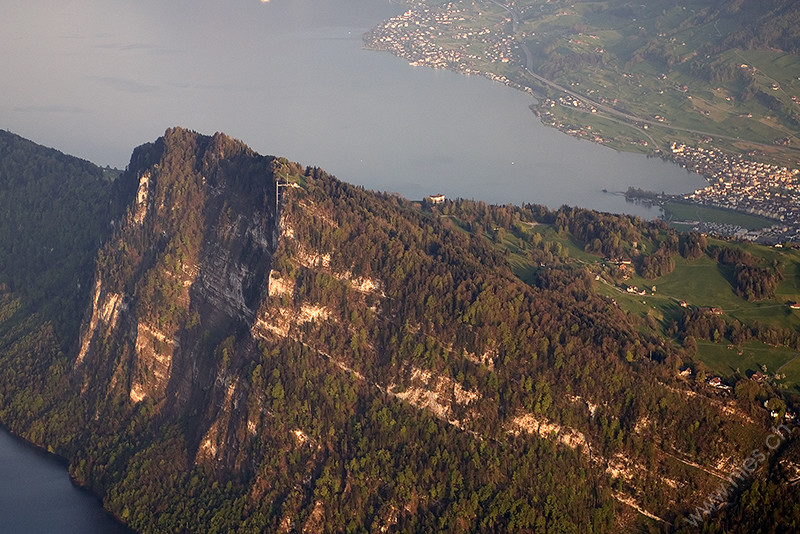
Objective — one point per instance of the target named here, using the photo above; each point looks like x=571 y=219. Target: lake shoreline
x=47 y=459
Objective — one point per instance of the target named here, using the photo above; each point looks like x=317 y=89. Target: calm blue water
x=95 y=78
x=36 y=495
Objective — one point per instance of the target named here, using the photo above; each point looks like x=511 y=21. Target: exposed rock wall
x=193 y=255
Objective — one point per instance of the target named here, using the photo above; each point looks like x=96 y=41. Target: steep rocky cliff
x=350 y=363
x=186 y=268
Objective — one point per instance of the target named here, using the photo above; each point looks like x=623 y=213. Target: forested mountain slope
x=56 y=211
x=356 y=364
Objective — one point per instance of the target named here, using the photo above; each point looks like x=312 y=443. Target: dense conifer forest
x=359 y=362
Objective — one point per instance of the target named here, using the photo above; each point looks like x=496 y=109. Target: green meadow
x=699 y=283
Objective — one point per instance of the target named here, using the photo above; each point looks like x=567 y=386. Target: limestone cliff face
x=306 y=356
x=187 y=267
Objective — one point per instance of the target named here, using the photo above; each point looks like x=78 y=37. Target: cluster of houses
x=415 y=36
x=625 y=267
x=636 y=291
x=788 y=416
x=747 y=186
x=720 y=229
x=717 y=383
x=575 y=103
x=549 y=118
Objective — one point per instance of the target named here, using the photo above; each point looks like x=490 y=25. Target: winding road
x=528 y=68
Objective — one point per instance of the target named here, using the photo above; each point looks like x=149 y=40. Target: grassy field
x=725 y=360
x=680 y=211
x=518 y=257
x=722 y=358
x=701 y=283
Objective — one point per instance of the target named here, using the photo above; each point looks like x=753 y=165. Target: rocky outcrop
x=106 y=308
x=193 y=256
x=142 y=197
x=438 y=394
x=533 y=424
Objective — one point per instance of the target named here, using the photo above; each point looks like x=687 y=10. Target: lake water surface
x=36 y=495
x=95 y=78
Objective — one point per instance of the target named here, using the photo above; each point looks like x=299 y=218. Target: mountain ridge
x=355 y=363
